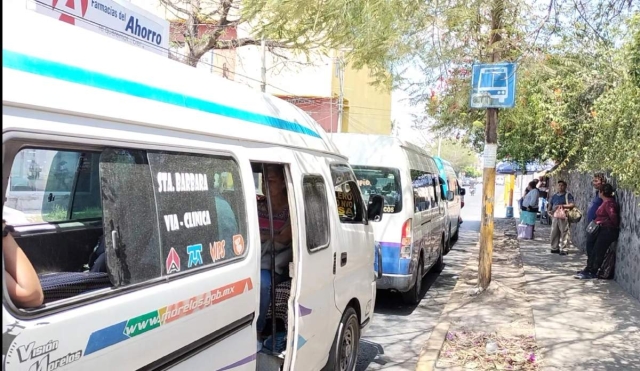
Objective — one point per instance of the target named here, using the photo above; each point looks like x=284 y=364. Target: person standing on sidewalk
x=560 y=202
x=529 y=207
x=608 y=221
x=599 y=180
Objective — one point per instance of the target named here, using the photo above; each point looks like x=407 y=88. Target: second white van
x=412 y=235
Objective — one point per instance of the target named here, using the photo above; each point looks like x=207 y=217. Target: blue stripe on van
x=391 y=262
x=77 y=75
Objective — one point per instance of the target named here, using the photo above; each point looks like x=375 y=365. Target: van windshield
x=382 y=181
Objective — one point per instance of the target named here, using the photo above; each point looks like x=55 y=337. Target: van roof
x=364 y=140
x=52 y=66
x=383 y=151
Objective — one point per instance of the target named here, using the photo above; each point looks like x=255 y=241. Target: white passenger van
x=166 y=163
x=454 y=203
x=412 y=236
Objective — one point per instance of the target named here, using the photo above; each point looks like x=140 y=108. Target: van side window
x=453 y=186
x=424 y=192
x=137 y=216
x=348 y=197
x=47 y=185
x=438 y=186
x=315 y=212
x=131 y=228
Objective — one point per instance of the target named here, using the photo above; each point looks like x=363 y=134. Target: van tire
x=439 y=266
x=412 y=297
x=449 y=241
x=344 y=351
x=454 y=238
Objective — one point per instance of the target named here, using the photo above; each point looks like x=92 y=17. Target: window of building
x=315 y=212
x=348 y=197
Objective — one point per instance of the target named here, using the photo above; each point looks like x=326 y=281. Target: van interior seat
x=62 y=251
x=283 y=292
x=63 y=285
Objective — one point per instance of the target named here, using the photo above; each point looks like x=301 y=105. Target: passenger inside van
x=21 y=278
x=282 y=238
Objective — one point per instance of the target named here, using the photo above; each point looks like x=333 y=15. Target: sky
x=401 y=112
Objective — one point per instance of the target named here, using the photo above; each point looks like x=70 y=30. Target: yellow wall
x=367 y=108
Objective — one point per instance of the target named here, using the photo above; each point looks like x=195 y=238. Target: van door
x=311 y=330
x=317 y=316
x=424 y=211
x=356 y=248
x=439 y=221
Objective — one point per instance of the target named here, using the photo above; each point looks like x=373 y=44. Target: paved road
x=398 y=331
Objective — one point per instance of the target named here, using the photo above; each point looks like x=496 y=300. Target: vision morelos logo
x=133 y=327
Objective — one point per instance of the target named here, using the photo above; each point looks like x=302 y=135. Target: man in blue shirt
x=560 y=226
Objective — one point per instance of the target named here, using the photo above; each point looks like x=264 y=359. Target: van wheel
x=412 y=296
x=344 y=351
x=454 y=238
x=439 y=266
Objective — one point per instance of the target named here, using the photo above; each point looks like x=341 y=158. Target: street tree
x=456 y=152
x=367 y=31
x=461 y=33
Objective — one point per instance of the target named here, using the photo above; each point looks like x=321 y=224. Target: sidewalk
x=540 y=317
x=580 y=325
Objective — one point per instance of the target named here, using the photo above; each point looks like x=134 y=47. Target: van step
x=267 y=362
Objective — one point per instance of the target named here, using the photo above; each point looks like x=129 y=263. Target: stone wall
x=628 y=253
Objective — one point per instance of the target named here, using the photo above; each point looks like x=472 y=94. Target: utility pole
x=263 y=85
x=439 y=145
x=340 y=70
x=490 y=150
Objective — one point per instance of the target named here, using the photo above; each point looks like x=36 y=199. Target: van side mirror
x=463 y=191
x=374 y=209
x=450 y=196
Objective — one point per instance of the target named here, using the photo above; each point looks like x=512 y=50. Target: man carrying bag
x=559 y=206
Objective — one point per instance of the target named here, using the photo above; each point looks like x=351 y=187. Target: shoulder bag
x=574 y=215
x=593 y=228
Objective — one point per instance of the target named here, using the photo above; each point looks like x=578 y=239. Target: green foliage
x=457 y=153
x=615 y=141
x=371 y=32
x=59 y=213
x=472 y=172
x=577 y=103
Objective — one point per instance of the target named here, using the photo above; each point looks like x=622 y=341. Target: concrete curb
x=431 y=351
x=429 y=354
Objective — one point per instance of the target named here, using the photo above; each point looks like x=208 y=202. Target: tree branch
x=237 y=43
x=170 y=4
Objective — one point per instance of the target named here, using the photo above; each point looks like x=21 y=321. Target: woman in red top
x=608 y=218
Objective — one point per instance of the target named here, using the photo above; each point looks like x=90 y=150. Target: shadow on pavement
x=398 y=331
x=582 y=325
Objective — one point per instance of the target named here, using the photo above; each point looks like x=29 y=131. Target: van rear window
x=383 y=181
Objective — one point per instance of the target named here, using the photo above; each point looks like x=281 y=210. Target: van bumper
x=400 y=282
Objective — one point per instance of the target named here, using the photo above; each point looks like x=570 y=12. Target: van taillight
x=406 y=240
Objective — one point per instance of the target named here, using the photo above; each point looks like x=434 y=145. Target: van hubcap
x=347 y=348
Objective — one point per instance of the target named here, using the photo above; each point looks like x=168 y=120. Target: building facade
x=314 y=82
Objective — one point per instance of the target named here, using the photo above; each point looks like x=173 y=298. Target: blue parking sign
x=493 y=85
